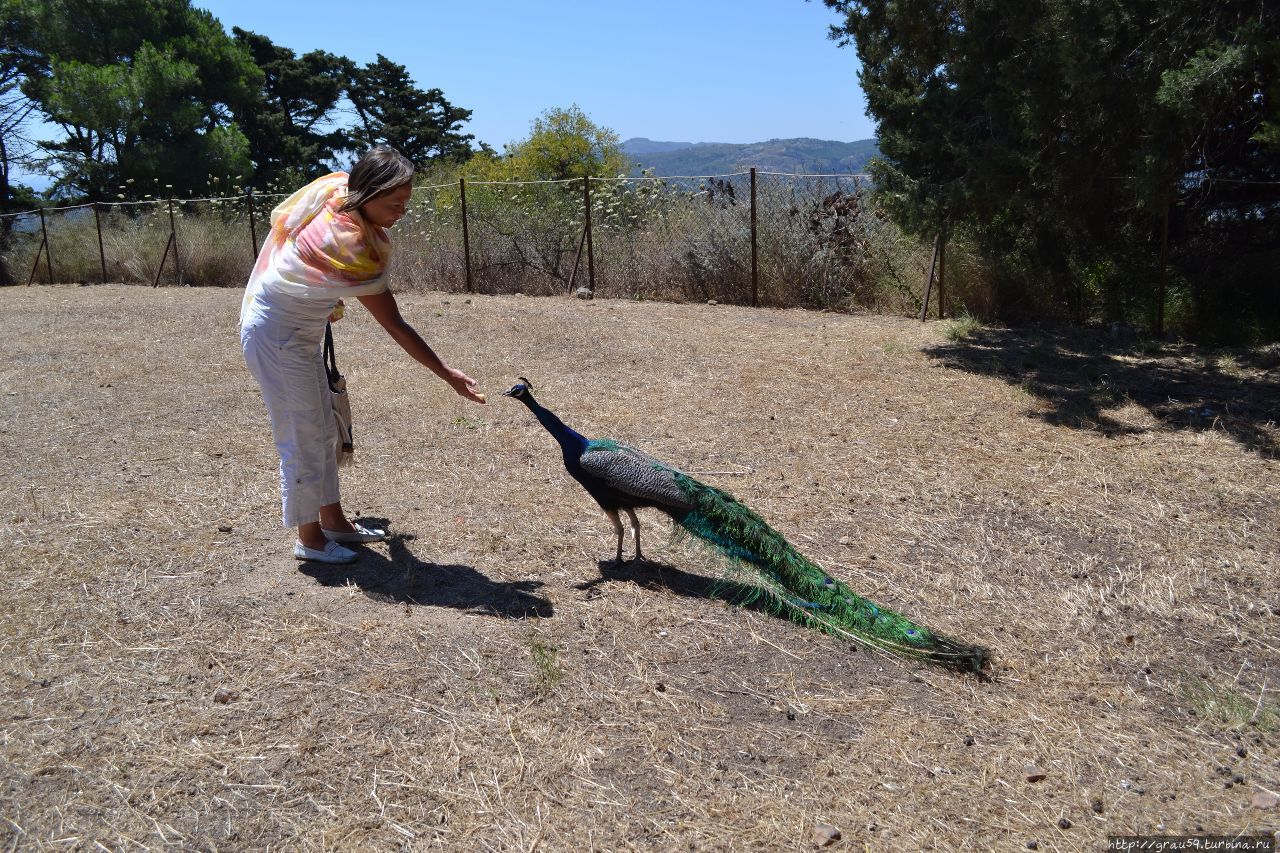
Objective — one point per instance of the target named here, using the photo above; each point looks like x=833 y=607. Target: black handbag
x=344 y=447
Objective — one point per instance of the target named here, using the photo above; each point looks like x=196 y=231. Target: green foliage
x=1225 y=706
x=155 y=93
x=1060 y=133
x=15 y=110
x=23 y=197
x=286 y=127
x=422 y=125
x=961 y=327
x=546 y=662
x=544 y=222
x=144 y=92
x=562 y=143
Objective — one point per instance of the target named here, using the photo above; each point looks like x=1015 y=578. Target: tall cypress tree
x=289 y=130
x=146 y=92
x=1059 y=134
x=421 y=124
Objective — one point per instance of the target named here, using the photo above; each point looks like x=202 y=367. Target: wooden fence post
x=168 y=244
x=577 y=256
x=928 y=277
x=1164 y=270
x=755 y=278
x=173 y=235
x=466 y=237
x=44 y=246
x=591 y=261
x=942 y=273
x=253 y=226
x=102 y=254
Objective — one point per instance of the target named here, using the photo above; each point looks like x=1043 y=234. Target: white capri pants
x=289 y=366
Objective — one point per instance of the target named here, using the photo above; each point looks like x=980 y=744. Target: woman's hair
x=381 y=169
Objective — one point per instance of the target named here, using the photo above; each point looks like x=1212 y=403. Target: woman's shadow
x=404 y=579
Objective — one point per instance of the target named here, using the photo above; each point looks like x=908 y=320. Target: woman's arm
x=384 y=309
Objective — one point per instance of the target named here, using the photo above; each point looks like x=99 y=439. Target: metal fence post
x=253 y=226
x=102 y=255
x=591 y=261
x=466 y=237
x=163 y=258
x=928 y=277
x=755 y=278
x=577 y=256
x=168 y=244
x=48 y=250
x=44 y=247
x=173 y=233
x=1164 y=269
x=942 y=273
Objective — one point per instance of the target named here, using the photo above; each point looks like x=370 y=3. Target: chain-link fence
x=758 y=238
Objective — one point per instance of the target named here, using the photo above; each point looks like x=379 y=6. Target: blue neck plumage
x=572 y=443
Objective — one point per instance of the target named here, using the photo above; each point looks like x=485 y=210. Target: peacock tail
x=621 y=478
x=801 y=587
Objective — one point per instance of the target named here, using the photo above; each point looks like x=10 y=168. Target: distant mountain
x=802 y=156
x=640 y=145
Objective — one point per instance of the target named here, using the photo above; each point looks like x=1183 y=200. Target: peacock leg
x=617 y=526
x=635 y=532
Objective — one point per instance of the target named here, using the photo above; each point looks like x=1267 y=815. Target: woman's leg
x=331 y=515
x=297 y=399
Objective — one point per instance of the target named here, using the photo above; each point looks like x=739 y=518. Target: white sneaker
x=361 y=534
x=332 y=553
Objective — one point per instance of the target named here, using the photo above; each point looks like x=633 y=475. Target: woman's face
x=386 y=209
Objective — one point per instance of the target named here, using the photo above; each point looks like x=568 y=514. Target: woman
x=328 y=240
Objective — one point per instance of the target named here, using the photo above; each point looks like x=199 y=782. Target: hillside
x=804 y=156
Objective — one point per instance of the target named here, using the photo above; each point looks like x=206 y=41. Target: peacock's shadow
x=404 y=579
x=648 y=574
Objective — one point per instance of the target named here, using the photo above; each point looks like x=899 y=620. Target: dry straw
x=483 y=682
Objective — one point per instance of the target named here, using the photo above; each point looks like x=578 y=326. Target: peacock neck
x=571 y=442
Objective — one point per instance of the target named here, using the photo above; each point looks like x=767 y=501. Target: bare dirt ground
x=1106 y=520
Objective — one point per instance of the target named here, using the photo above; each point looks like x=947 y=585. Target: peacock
x=623 y=479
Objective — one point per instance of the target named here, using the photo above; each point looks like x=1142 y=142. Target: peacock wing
x=635 y=473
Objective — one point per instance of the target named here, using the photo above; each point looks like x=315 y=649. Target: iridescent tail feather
x=806 y=593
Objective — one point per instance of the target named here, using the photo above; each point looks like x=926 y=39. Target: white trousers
x=295 y=388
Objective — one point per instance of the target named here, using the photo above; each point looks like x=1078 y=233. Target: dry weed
x=482 y=681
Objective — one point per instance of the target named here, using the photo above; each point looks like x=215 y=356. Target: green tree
x=562 y=143
x=147 y=92
x=16 y=109
x=543 y=222
x=290 y=128
x=1059 y=134
x=391 y=110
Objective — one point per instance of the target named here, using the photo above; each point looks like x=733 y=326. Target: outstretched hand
x=464 y=385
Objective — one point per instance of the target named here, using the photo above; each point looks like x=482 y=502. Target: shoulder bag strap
x=330 y=359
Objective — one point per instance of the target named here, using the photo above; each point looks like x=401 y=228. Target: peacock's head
x=521 y=390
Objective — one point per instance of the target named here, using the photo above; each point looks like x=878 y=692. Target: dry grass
x=481 y=682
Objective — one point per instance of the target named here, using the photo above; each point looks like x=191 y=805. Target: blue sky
x=693 y=71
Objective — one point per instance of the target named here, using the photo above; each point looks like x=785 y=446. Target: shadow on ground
x=405 y=579
x=1083 y=376
x=651 y=575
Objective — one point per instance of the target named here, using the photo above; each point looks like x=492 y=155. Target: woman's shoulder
x=339 y=242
